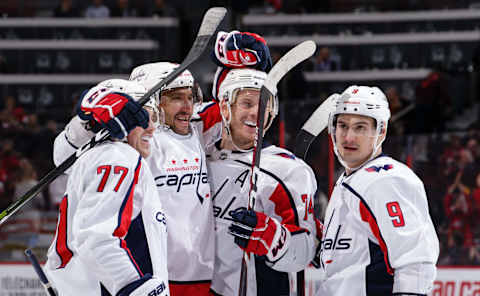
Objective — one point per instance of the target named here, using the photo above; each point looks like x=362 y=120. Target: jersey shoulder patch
x=286 y=155
x=374 y=168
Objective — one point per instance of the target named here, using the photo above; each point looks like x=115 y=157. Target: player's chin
x=182 y=127
x=145 y=152
x=144 y=149
x=347 y=155
x=248 y=133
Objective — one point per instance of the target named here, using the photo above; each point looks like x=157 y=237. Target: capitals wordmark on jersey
x=224 y=210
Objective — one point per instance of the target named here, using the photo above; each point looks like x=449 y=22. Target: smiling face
x=178 y=107
x=139 y=138
x=243 y=117
x=355 y=135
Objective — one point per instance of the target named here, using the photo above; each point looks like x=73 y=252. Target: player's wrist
x=280 y=243
x=77 y=133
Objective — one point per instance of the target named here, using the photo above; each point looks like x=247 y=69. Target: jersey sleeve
x=292 y=205
x=398 y=216
x=208 y=121
x=110 y=200
x=69 y=140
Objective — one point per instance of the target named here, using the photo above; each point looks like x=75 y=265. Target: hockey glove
x=115 y=111
x=145 y=286
x=240 y=50
x=259 y=234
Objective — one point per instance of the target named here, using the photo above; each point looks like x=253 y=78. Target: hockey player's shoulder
x=278 y=153
x=386 y=170
x=112 y=152
x=385 y=166
x=283 y=158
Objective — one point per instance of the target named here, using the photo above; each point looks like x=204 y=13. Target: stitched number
x=106 y=169
x=308 y=206
x=124 y=172
x=106 y=173
x=395 y=212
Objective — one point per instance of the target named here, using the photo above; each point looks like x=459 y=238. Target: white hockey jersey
x=286 y=187
x=111 y=227
x=179 y=168
x=378 y=236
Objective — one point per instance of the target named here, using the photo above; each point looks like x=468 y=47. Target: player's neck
x=353 y=167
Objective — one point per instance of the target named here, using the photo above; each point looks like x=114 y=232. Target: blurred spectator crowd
x=26 y=143
x=449 y=165
x=146 y=8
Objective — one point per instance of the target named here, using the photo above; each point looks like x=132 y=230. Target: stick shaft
x=292 y=58
x=209 y=24
x=39 y=271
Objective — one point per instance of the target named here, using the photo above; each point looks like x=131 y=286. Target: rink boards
x=20 y=279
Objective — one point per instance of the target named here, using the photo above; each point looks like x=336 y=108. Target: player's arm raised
x=95 y=112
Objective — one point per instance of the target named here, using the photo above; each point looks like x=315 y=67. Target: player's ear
x=224 y=110
x=383 y=133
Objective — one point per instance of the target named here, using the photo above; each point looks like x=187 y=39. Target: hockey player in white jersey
x=111 y=236
x=378 y=238
x=178 y=164
x=179 y=167
x=280 y=233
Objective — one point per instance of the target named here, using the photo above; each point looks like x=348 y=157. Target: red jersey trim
x=210 y=116
x=61 y=246
x=125 y=213
x=125 y=216
x=367 y=215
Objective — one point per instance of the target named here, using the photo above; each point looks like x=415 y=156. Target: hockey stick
x=314 y=125
x=210 y=22
x=38 y=269
x=402 y=112
x=292 y=58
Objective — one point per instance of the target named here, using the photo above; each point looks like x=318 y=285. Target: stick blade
x=314 y=125
x=293 y=57
x=318 y=121
x=211 y=20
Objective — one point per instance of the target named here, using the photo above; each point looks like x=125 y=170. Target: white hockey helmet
x=366 y=101
x=150 y=74
x=245 y=78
